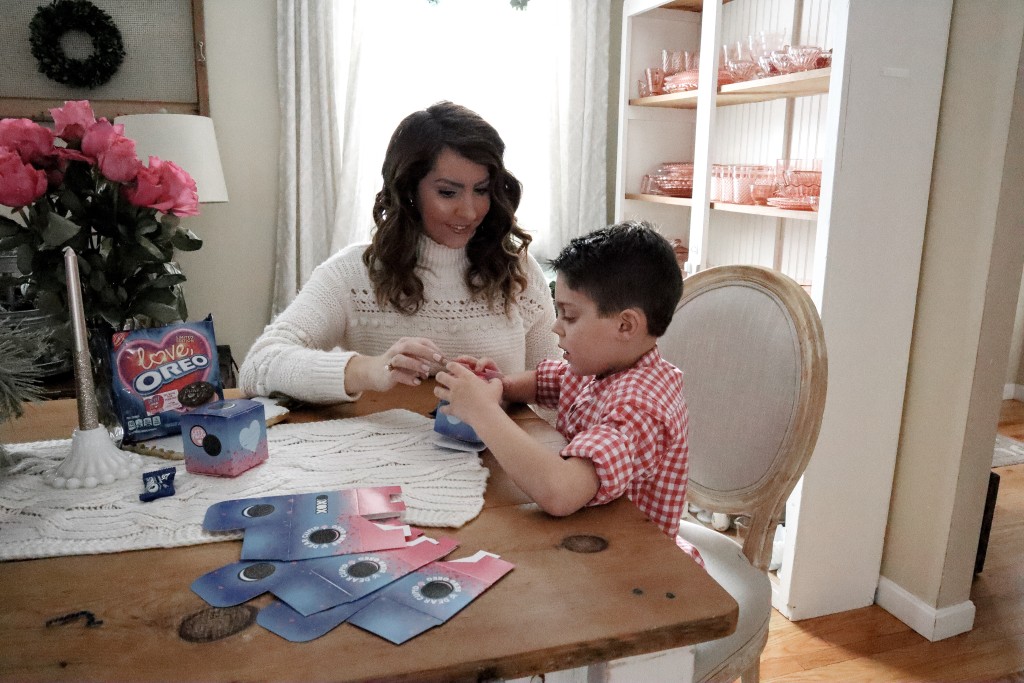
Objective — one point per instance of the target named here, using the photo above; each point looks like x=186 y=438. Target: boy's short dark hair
x=626 y=265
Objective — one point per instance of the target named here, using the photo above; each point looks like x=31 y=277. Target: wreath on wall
x=49 y=25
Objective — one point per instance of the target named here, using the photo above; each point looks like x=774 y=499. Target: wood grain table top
x=132 y=615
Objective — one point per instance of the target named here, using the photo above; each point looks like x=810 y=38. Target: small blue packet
x=157 y=484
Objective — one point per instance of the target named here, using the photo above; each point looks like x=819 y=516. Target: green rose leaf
x=186 y=240
x=25 y=255
x=168 y=280
x=150 y=248
x=9 y=227
x=97 y=281
x=71 y=200
x=13 y=242
x=49 y=302
x=161 y=313
x=59 y=230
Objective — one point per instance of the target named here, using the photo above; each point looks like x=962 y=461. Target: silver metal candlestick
x=94 y=458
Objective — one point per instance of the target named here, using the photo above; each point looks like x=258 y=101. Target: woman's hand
x=408 y=361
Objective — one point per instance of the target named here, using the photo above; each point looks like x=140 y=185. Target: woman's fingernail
x=438 y=356
x=417 y=381
x=425 y=368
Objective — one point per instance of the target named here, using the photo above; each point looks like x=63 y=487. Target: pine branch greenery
x=19 y=374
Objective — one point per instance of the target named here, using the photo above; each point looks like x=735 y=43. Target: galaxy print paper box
x=160 y=373
x=225 y=438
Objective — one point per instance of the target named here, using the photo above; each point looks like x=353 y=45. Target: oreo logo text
x=149 y=381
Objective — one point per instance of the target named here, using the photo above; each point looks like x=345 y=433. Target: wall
x=232 y=275
x=970 y=278
x=1015 y=367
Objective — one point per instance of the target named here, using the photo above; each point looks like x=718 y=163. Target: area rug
x=1007 y=452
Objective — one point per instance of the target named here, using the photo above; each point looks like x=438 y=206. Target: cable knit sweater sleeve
x=298 y=354
x=304 y=351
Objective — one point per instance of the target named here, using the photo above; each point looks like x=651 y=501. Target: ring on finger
x=389 y=366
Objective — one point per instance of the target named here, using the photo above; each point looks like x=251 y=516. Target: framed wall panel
x=164 y=68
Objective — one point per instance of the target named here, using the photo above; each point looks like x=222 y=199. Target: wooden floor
x=869 y=644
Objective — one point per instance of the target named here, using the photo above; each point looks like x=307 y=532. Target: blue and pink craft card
x=328 y=561
x=308 y=525
x=415 y=603
x=310 y=586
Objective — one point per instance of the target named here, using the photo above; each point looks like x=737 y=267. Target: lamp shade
x=186 y=140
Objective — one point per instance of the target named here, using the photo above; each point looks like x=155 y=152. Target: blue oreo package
x=160 y=373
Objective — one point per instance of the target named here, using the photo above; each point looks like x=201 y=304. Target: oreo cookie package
x=160 y=373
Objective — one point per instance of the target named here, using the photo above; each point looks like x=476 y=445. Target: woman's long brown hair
x=495 y=251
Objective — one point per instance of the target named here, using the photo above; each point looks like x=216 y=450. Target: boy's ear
x=632 y=322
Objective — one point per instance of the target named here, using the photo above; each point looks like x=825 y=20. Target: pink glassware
x=804 y=57
x=782 y=61
x=743 y=70
x=655 y=80
x=763 y=186
x=672 y=61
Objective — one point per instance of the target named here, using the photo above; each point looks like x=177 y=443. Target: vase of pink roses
x=81 y=185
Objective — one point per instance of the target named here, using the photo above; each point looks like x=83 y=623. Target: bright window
x=407 y=54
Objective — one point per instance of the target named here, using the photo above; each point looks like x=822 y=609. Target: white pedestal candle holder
x=94 y=459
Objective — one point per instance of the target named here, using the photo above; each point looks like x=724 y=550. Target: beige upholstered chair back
x=751 y=347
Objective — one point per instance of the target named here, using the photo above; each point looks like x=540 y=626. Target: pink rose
x=20 y=184
x=146 y=190
x=98 y=137
x=31 y=141
x=66 y=154
x=164 y=186
x=113 y=152
x=73 y=119
x=118 y=161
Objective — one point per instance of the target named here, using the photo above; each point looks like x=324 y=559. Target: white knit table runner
x=440 y=487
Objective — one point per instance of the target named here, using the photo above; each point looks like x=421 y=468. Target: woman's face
x=453 y=199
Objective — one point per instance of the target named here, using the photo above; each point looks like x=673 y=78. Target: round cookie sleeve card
x=161 y=373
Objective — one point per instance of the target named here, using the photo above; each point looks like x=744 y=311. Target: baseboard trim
x=934 y=624
x=1014 y=391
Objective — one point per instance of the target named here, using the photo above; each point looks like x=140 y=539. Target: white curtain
x=310 y=158
x=539 y=76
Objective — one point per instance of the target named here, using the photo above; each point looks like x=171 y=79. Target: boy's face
x=588 y=340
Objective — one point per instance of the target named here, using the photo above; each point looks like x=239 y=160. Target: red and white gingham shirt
x=632 y=426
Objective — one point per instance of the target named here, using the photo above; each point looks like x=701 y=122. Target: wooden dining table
x=600 y=584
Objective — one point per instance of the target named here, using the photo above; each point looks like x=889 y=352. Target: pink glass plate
x=794 y=203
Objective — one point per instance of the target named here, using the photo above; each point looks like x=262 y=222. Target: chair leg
x=753 y=674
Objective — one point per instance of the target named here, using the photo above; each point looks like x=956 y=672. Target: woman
x=446 y=273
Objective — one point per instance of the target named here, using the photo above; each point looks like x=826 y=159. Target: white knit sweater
x=304 y=351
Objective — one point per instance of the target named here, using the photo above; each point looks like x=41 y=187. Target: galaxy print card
x=429 y=596
x=302 y=538
x=418 y=602
x=311 y=586
x=379 y=502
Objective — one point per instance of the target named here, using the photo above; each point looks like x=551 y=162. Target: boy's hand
x=481 y=367
x=469 y=395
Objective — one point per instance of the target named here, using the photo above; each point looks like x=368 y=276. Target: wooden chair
x=751 y=347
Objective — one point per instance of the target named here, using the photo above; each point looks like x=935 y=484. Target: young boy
x=620 y=404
